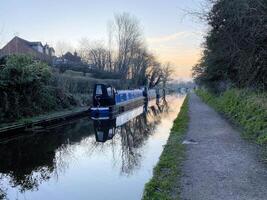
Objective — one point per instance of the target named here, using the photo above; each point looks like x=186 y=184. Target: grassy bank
x=168 y=170
x=243 y=107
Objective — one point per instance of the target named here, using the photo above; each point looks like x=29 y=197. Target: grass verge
x=168 y=170
x=245 y=108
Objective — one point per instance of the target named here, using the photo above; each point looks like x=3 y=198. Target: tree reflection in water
x=27 y=162
x=132 y=134
x=3 y=190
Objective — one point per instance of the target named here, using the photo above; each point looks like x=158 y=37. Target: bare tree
x=99 y=57
x=128 y=38
x=154 y=74
x=125 y=54
x=167 y=71
x=110 y=48
x=96 y=54
x=84 y=48
x=141 y=61
x=63 y=47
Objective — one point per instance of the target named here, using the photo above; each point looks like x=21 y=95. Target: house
x=35 y=49
x=72 y=57
x=69 y=59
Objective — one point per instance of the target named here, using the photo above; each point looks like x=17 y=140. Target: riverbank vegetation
x=78 y=85
x=233 y=65
x=165 y=181
x=235 y=47
x=243 y=107
x=29 y=88
x=24 y=88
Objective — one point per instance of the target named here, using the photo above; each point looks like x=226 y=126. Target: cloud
x=168 y=38
x=181 y=49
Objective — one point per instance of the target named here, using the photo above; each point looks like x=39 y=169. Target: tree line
x=126 y=54
x=29 y=87
x=235 y=47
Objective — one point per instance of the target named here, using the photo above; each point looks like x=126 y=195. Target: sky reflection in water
x=88 y=159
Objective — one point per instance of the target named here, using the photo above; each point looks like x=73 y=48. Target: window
x=100 y=135
x=98 y=90
x=109 y=91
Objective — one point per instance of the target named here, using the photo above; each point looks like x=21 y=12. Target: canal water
x=88 y=159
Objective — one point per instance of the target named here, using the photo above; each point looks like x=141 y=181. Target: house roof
x=28 y=42
x=20 y=46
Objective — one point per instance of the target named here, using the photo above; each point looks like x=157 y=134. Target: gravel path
x=222 y=166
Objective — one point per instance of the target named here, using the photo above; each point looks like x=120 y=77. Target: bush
x=22 y=84
x=24 y=89
x=105 y=74
x=78 y=84
x=244 y=107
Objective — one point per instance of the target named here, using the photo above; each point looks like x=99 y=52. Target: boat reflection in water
x=129 y=131
x=60 y=163
x=106 y=127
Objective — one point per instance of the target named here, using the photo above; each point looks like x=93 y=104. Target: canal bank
x=42 y=121
x=167 y=173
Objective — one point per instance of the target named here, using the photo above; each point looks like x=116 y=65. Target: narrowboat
x=108 y=101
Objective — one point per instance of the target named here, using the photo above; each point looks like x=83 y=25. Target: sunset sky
x=170 y=33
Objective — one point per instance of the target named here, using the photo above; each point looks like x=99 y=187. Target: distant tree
x=63 y=47
x=142 y=59
x=125 y=54
x=154 y=74
x=96 y=54
x=167 y=71
x=128 y=39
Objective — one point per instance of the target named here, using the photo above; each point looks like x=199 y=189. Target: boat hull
x=116 y=109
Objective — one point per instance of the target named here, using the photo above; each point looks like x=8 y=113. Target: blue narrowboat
x=107 y=100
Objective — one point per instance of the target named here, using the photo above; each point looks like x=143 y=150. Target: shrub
x=22 y=83
x=79 y=84
x=24 y=89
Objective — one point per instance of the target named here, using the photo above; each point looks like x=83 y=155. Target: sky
x=171 y=34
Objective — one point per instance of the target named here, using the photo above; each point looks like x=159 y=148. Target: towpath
x=221 y=165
